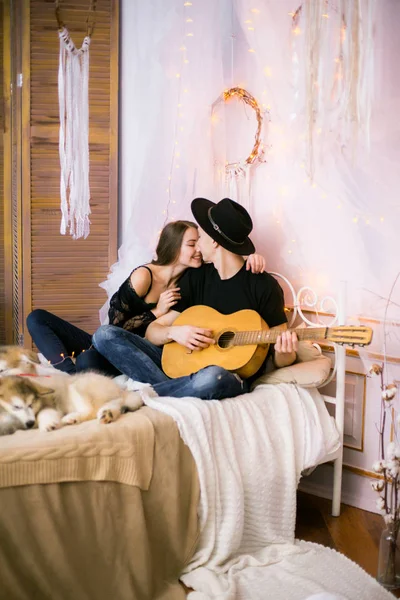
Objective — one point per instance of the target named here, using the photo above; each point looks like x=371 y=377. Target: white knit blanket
x=249 y=453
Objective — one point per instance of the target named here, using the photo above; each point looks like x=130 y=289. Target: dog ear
x=42 y=390
x=30 y=357
x=47 y=391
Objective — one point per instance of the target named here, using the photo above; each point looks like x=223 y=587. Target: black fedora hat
x=226 y=222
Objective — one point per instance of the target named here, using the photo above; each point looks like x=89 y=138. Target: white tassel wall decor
x=73 y=95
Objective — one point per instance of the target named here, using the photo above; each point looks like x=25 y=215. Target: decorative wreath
x=257 y=152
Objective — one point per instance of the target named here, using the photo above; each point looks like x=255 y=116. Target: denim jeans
x=140 y=360
x=55 y=337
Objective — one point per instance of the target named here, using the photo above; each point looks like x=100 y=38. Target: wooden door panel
x=63 y=274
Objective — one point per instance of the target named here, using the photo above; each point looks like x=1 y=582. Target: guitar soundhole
x=225 y=340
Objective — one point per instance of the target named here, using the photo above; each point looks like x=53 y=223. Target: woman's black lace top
x=128 y=310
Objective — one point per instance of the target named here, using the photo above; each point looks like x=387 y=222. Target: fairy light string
x=256 y=155
x=64 y=358
x=188 y=20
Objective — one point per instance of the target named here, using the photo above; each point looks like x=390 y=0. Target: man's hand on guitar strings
x=193 y=338
x=286 y=343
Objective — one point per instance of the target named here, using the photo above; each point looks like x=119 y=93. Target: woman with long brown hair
x=148 y=293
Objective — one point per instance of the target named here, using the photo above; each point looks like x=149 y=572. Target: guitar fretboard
x=244 y=338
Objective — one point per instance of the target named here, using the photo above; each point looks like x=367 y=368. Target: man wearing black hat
x=223 y=284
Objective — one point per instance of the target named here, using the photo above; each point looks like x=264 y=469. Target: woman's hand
x=167 y=299
x=256 y=263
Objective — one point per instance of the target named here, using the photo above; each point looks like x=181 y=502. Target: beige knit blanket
x=121 y=452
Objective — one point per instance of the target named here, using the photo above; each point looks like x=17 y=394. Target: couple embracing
x=223 y=283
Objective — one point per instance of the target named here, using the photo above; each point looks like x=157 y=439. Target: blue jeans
x=140 y=360
x=55 y=337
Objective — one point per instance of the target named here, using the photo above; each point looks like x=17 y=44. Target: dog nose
x=30 y=424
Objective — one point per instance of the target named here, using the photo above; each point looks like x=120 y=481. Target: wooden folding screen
x=58 y=273
x=6 y=162
x=2 y=242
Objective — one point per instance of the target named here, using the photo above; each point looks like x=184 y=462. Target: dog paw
x=107 y=415
x=71 y=419
x=49 y=420
x=50 y=425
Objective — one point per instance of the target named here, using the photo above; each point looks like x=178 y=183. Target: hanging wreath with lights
x=257 y=153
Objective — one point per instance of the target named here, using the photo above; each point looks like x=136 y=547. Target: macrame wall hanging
x=338 y=99
x=73 y=96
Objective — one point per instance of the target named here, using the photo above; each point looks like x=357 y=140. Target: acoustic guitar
x=242 y=340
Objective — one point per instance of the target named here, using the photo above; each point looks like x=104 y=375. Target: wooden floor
x=356 y=533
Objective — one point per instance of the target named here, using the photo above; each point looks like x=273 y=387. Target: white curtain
x=177 y=57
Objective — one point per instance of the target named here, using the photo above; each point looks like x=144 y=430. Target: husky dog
x=57 y=400
x=15 y=360
x=20 y=401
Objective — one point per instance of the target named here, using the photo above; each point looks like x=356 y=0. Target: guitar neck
x=244 y=338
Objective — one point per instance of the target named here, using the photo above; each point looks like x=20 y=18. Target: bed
x=114 y=511
x=99 y=528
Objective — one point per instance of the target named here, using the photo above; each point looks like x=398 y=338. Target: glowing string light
x=187 y=21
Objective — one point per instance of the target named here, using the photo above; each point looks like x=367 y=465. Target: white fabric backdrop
x=342 y=225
